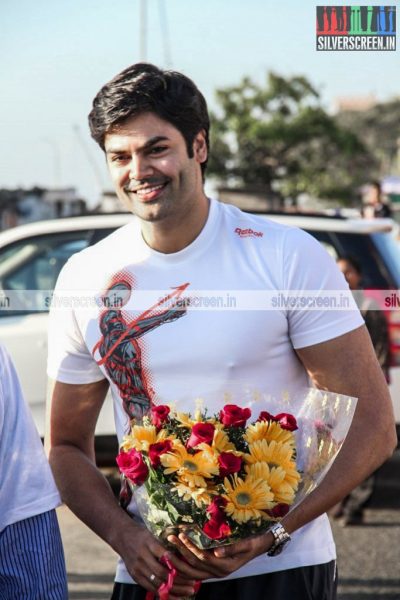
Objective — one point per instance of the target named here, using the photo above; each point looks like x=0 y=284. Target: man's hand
x=222 y=561
x=142 y=552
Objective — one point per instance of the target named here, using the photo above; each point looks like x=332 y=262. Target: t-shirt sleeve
x=323 y=307
x=69 y=359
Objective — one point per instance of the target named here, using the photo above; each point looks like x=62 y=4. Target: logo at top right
x=356 y=28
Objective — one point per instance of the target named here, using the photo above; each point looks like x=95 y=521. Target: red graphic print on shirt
x=120 y=347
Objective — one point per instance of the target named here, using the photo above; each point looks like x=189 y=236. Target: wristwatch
x=281 y=538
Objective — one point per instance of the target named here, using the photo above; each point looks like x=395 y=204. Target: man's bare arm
x=348 y=365
x=74 y=413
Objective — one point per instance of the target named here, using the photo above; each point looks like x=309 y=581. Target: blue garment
x=32 y=565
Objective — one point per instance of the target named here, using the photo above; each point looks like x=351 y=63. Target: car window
x=389 y=248
x=32 y=265
x=371 y=251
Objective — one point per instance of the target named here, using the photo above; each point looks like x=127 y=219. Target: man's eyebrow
x=150 y=142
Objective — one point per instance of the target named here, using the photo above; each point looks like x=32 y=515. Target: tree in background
x=279 y=137
x=379 y=129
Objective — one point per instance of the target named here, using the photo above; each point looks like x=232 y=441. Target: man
x=31 y=555
x=154 y=128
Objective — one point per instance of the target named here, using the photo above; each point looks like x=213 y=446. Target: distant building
x=358 y=103
x=19 y=206
x=109 y=203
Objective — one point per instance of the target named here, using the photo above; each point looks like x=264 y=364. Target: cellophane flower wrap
x=228 y=474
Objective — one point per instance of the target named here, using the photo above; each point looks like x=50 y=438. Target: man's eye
x=120 y=158
x=158 y=149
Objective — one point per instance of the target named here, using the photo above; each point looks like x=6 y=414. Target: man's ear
x=200 y=147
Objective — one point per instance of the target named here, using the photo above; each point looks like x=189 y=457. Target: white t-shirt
x=27 y=486
x=155 y=353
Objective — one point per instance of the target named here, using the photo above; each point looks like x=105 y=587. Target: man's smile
x=148 y=191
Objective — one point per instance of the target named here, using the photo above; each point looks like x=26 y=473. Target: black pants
x=318 y=582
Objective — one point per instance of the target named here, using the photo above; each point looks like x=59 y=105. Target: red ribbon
x=165 y=588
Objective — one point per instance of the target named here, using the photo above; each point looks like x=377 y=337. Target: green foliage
x=279 y=137
x=379 y=130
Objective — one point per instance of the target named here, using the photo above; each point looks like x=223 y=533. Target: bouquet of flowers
x=226 y=476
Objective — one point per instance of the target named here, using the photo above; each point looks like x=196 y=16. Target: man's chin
x=149 y=211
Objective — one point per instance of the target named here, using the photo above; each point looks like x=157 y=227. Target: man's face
x=151 y=170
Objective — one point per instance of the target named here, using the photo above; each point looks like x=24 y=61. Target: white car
x=31 y=257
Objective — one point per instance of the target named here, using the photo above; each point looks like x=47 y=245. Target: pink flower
x=157 y=449
x=287 y=421
x=202 y=433
x=214 y=509
x=266 y=416
x=132 y=465
x=234 y=416
x=217 y=527
x=229 y=463
x=216 y=530
x=159 y=414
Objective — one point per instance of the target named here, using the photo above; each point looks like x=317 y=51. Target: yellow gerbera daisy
x=221 y=442
x=192 y=469
x=269 y=431
x=141 y=437
x=276 y=478
x=201 y=496
x=186 y=421
x=247 y=499
x=275 y=454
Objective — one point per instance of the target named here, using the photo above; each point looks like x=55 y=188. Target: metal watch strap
x=281 y=538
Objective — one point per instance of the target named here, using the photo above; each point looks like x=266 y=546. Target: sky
x=56 y=54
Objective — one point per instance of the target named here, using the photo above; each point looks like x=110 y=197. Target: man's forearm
x=88 y=494
x=364 y=450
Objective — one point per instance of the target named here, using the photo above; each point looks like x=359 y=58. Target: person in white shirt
x=154 y=128
x=32 y=563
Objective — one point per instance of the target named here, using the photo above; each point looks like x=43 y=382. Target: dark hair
x=143 y=87
x=353 y=262
x=376 y=184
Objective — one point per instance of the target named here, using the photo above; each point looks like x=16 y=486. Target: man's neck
x=172 y=235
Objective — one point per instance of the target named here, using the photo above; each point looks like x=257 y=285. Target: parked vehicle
x=31 y=257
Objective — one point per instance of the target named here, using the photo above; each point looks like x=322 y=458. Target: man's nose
x=139 y=167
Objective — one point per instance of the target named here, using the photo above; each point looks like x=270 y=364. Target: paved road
x=368 y=555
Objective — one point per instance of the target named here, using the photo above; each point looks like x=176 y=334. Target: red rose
x=279 y=511
x=229 y=463
x=202 y=433
x=159 y=414
x=132 y=465
x=287 y=421
x=234 y=416
x=214 y=509
x=216 y=530
x=266 y=416
x=155 y=451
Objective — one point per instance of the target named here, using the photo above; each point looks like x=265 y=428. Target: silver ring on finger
x=152 y=578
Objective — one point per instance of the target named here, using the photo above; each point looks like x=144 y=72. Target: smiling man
x=153 y=126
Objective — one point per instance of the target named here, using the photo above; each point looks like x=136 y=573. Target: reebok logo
x=248 y=232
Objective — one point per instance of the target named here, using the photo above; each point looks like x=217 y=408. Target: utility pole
x=143 y=31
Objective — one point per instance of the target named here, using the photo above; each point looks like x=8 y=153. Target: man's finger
x=232 y=549
x=191 y=566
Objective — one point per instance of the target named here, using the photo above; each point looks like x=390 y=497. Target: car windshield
x=389 y=247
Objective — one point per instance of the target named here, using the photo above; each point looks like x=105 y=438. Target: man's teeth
x=149 y=190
